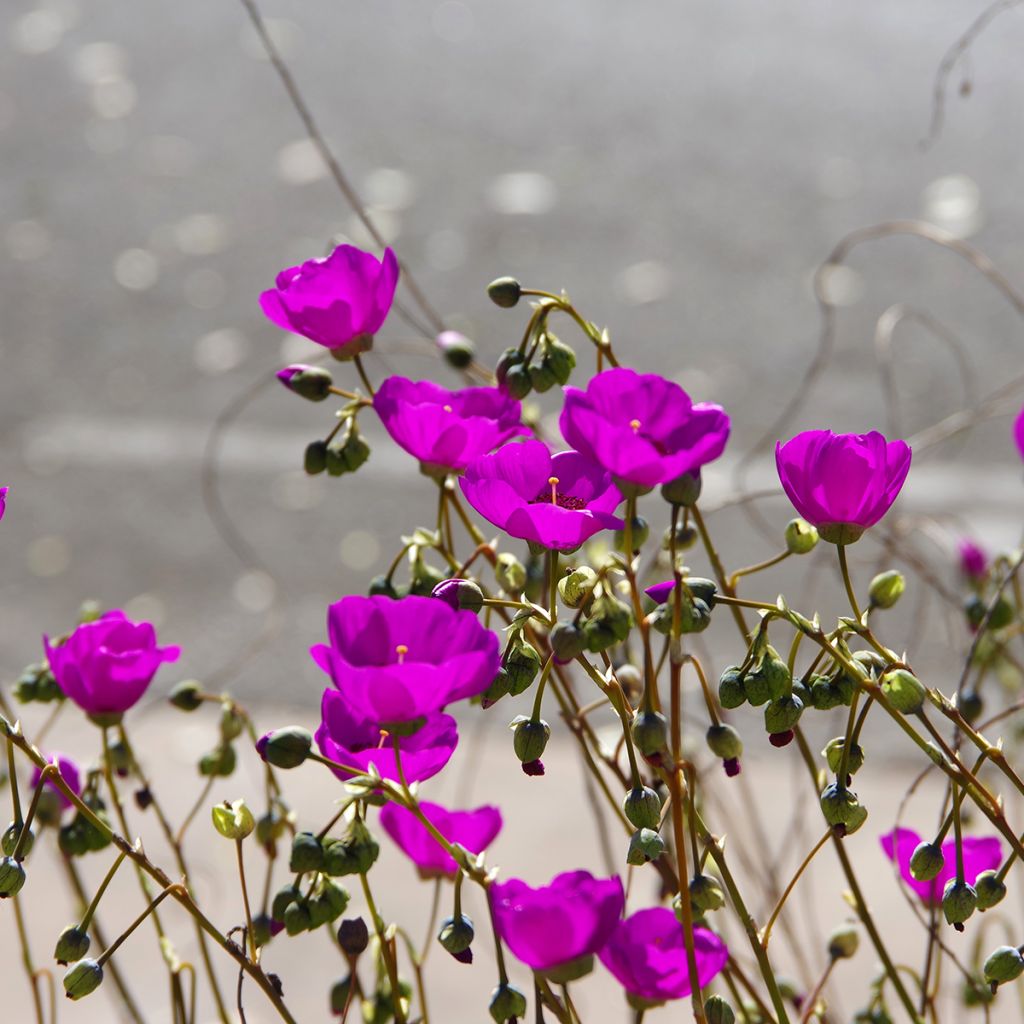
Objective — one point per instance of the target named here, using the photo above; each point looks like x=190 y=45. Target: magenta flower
x=842 y=483
x=980 y=854
x=396 y=661
x=475 y=830
x=348 y=738
x=566 y=920
x=1018 y=432
x=339 y=302
x=3 y=501
x=973 y=562
x=105 y=666
x=647 y=955
x=68 y=772
x=446 y=430
x=659 y=592
x=557 y=501
x=643 y=429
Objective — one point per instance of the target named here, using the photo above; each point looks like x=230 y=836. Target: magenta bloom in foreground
x=842 y=483
x=571 y=918
x=1018 y=432
x=68 y=772
x=980 y=854
x=340 y=301
x=396 y=661
x=557 y=501
x=446 y=429
x=642 y=428
x=348 y=738
x=3 y=501
x=647 y=955
x=973 y=562
x=105 y=666
x=475 y=830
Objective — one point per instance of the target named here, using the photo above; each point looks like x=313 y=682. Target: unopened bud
x=12 y=877
x=456 y=935
x=458 y=351
x=1003 y=964
x=9 y=842
x=219 y=762
x=650 y=732
x=801 y=537
x=529 y=738
x=684 y=490
x=82 y=978
x=298 y=918
x=843 y=942
x=285 y=748
x=233 y=820
x=645 y=845
x=567 y=641
x=353 y=936
x=521 y=664
x=724 y=742
x=926 y=862
x=510 y=573
x=575 y=587
x=72 y=944
x=905 y=691
x=347 y=455
x=186 y=696
x=842 y=810
x=706 y=893
x=462 y=595
x=639 y=532
x=718 y=1011
x=607 y=624
x=731 y=691
x=505 y=292
x=341 y=996
x=782 y=715
x=312 y=382
x=642 y=807
x=307 y=853
x=833 y=754
x=959 y=901
x=990 y=890
x=886 y=589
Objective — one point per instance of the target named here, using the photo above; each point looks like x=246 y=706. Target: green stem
x=95 y=902
x=767 y=930
x=26 y=957
x=253 y=954
x=360 y=369
x=850 y=594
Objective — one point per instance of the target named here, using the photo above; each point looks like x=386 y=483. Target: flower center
x=555 y=497
x=447 y=408
x=401 y=650
x=635 y=426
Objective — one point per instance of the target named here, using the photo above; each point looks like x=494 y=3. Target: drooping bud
x=731 y=691
x=262 y=929
x=233 y=820
x=312 y=382
x=12 y=877
x=381 y=585
x=82 y=978
x=314 y=459
x=510 y=573
x=232 y=722
x=639 y=532
x=9 y=842
x=607 y=624
x=521 y=664
x=724 y=742
x=347 y=454
x=1003 y=964
x=219 y=762
x=462 y=595
x=497 y=689
x=285 y=748
x=959 y=901
x=970 y=704
x=642 y=807
x=307 y=853
x=298 y=918
x=718 y=1011
x=684 y=490
x=833 y=754
x=645 y=845
x=507 y=1002
x=456 y=936
x=782 y=715
x=186 y=695
x=905 y=691
x=842 y=810
x=843 y=942
x=801 y=537
x=927 y=861
x=353 y=936
x=649 y=731
x=990 y=890
x=631 y=680
x=886 y=589
x=456 y=349
x=559 y=359
x=529 y=738
x=768 y=679
x=706 y=893
x=575 y=587
x=505 y=292
x=567 y=641
x=72 y=944
x=328 y=902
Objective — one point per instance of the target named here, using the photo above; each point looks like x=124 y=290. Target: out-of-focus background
x=680 y=168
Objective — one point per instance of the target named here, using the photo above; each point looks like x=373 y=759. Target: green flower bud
x=906 y=693
x=642 y=807
x=233 y=820
x=10 y=840
x=425 y=578
x=82 y=978
x=219 y=762
x=567 y=641
x=825 y=695
x=505 y=292
x=12 y=877
x=1002 y=612
x=311 y=382
x=607 y=624
x=262 y=929
x=724 y=742
x=186 y=695
x=706 y=893
x=542 y=377
x=269 y=828
x=976 y=993
x=72 y=944
x=718 y=1011
x=283 y=899
x=340 y=997
x=842 y=810
x=382 y=586
x=571 y=970
x=886 y=589
x=645 y=845
x=801 y=690
x=355 y=854
x=456 y=934
x=232 y=724
x=314 y=459
x=801 y=537
x=518 y=382
x=529 y=738
x=353 y=936
x=507 y=1002
x=971 y=705
x=71 y=840
x=650 y=732
x=782 y=714
x=684 y=490
x=575 y=587
x=638 y=535
x=959 y=901
x=560 y=359
x=286 y=748
x=328 y=904
x=631 y=680
x=456 y=349
x=685 y=538
x=731 y=691
x=510 y=573
x=833 y=754
x=927 y=861
x=843 y=942
x=497 y=689
x=702 y=589
x=307 y=853
x=990 y=890
x=298 y=918
x=348 y=454
x=1004 y=964
x=521 y=663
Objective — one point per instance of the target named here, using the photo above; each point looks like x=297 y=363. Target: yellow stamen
x=553 y=480
x=401 y=650
x=635 y=425
x=447 y=408
x=384 y=737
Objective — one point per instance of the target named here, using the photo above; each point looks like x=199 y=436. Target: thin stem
x=95 y=902
x=12 y=774
x=361 y=370
x=113 y=948
x=850 y=594
x=767 y=930
x=253 y=954
x=719 y=570
x=386 y=949
x=25 y=827
x=196 y=807
x=553 y=585
x=758 y=567
x=812 y=999
x=26 y=957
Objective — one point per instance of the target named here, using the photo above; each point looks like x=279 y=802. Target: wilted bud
x=718 y=1011
x=842 y=810
x=650 y=732
x=927 y=861
x=347 y=455
x=456 y=935
x=639 y=532
x=521 y=664
x=905 y=691
x=510 y=573
x=353 y=936
x=307 y=853
x=507 y=1002
x=886 y=589
x=706 y=893
x=567 y=641
x=731 y=691
x=990 y=890
x=724 y=742
x=1003 y=964
x=285 y=748
x=82 y=978
x=314 y=460
x=10 y=839
x=529 y=738
x=783 y=714
x=843 y=942
x=575 y=587
x=458 y=351
x=833 y=754
x=642 y=807
x=801 y=537
x=462 y=595
x=12 y=877
x=684 y=490
x=959 y=901
x=72 y=944
x=505 y=292
x=219 y=762
x=187 y=695
x=312 y=382
x=645 y=845
x=233 y=820
x=607 y=624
